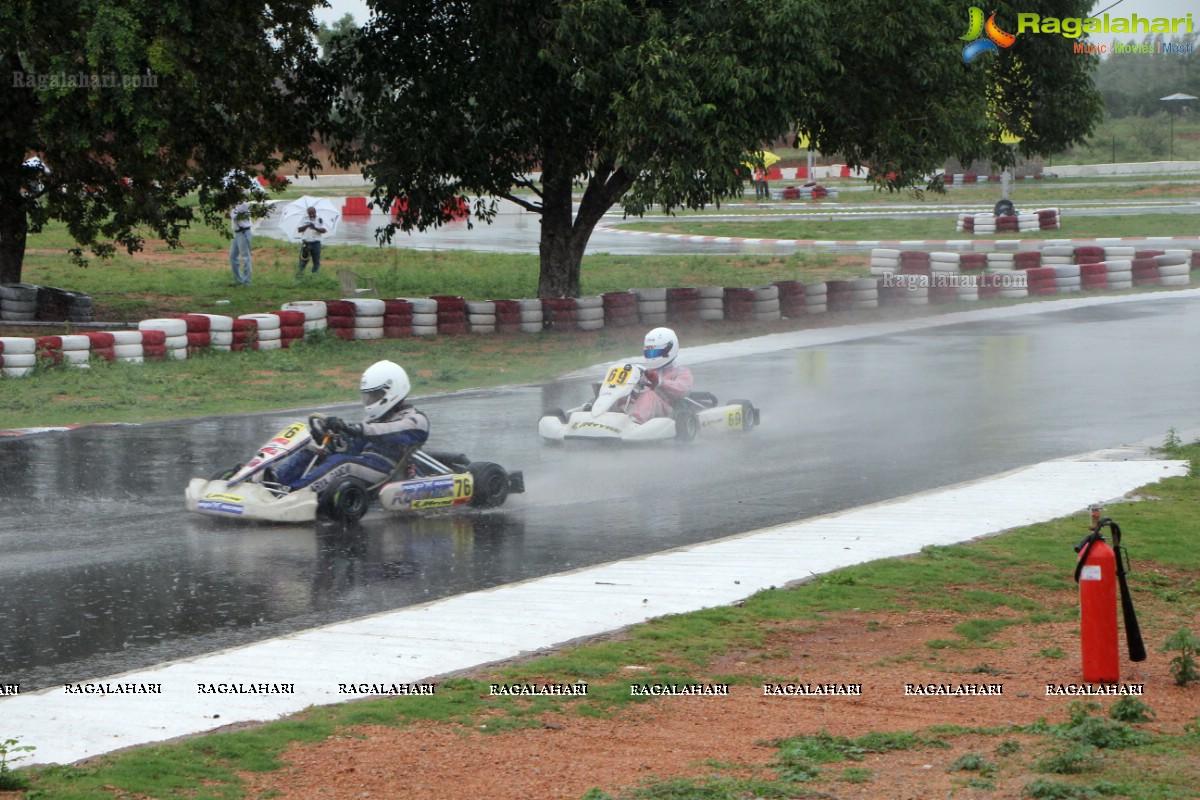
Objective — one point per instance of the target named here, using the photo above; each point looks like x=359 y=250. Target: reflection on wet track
x=101 y=569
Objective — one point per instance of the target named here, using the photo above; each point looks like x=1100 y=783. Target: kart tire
x=687 y=425
x=345 y=501
x=748 y=414
x=491 y=484
x=557 y=413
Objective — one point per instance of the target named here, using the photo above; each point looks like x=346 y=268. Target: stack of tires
x=866 y=294
x=63 y=305
x=972 y=262
x=268 y=331
x=766 y=303
x=1119 y=274
x=451 y=315
x=18 y=356
x=128 y=346
x=425 y=316
x=1026 y=259
x=1048 y=219
x=738 y=304
x=18 y=302
x=560 y=313
x=943 y=272
x=1042 y=281
x=315 y=313
x=1085 y=254
x=291 y=327
x=1145 y=271
x=481 y=316
x=174 y=340
x=589 y=312
x=397 y=319
x=620 y=309
x=368 y=317
x=1093 y=276
x=683 y=305
x=197 y=331
x=791 y=298
x=1067 y=278
x=1174 y=268
x=533 y=318
x=987 y=286
x=339 y=316
x=1057 y=254
x=712 y=303
x=74 y=349
x=1120 y=252
x=884 y=261
x=1007 y=223
x=839 y=295
x=508 y=316
x=103 y=345
x=816 y=298
x=652 y=306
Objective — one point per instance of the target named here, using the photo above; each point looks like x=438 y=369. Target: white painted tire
x=1058 y=251
x=1174 y=280
x=816 y=308
x=478 y=328
x=1057 y=261
x=885 y=252
x=18 y=345
x=652 y=307
x=529 y=305
x=218 y=323
x=264 y=322
x=372 y=321
x=270 y=344
x=368 y=333
x=480 y=308
x=712 y=293
x=423 y=305
x=313 y=309
x=220 y=338
x=765 y=306
x=477 y=320
x=939 y=256
x=531 y=327
x=179 y=353
x=589 y=315
x=533 y=317
x=424 y=320
x=711 y=304
x=1119 y=252
x=590 y=324
x=126 y=337
x=177 y=342
x=368 y=306
x=1172 y=271
x=1119 y=285
x=766 y=293
x=19 y=359
x=711 y=314
x=424 y=330
x=1121 y=265
x=128 y=350
x=1066 y=271
x=171 y=327
x=589 y=302
x=15 y=372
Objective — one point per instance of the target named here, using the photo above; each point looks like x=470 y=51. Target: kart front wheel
x=345 y=501
x=491 y=484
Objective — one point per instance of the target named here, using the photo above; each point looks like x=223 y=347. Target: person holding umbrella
x=311 y=230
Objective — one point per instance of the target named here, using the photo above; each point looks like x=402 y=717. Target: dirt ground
x=697 y=736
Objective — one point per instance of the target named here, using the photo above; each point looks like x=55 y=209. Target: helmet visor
x=657 y=352
x=372 y=396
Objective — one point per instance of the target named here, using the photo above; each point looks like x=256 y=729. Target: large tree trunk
x=12 y=236
x=564 y=236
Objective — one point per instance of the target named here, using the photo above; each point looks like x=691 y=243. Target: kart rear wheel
x=749 y=415
x=557 y=413
x=345 y=501
x=491 y=484
x=687 y=425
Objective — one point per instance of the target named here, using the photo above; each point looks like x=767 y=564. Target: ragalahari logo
x=984 y=37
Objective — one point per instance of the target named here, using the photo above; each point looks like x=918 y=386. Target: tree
x=657 y=102
x=135 y=107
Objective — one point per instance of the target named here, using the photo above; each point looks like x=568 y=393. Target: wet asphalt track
x=103 y=571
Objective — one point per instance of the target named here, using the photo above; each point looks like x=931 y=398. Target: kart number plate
x=733 y=419
x=618 y=376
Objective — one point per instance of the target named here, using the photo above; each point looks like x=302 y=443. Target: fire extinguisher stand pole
x=1099 y=571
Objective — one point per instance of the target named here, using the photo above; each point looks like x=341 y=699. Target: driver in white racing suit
x=663 y=383
x=372 y=449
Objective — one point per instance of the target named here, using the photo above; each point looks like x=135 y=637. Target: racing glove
x=650 y=379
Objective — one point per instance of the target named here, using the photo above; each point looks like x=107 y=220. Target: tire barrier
x=898 y=277
x=816 y=298
x=987 y=223
x=451 y=315
x=589 y=312
x=683 y=305
x=315 y=313
x=481 y=316
x=26 y=302
x=652 y=306
x=620 y=309
x=560 y=314
x=791 y=298
x=164 y=338
x=959 y=178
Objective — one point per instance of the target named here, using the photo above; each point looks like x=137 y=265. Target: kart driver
x=663 y=383
x=373 y=449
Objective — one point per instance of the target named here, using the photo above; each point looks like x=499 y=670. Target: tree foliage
x=657 y=102
x=182 y=93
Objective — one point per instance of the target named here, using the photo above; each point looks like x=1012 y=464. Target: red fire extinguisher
x=1099 y=572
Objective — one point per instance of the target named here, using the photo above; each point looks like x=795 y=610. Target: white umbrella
x=295 y=214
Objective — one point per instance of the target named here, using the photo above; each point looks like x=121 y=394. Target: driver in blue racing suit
x=374 y=448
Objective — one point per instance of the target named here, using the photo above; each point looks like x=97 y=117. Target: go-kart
x=423 y=480
x=605 y=419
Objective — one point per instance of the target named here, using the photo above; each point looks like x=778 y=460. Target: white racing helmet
x=661 y=347
x=384 y=385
